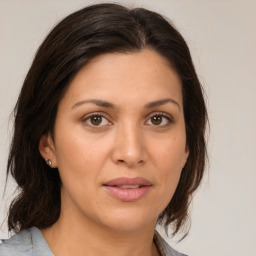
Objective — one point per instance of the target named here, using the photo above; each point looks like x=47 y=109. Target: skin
x=125 y=142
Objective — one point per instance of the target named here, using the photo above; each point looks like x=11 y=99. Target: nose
x=129 y=148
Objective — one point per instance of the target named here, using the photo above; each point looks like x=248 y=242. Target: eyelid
x=160 y=113
x=102 y=114
x=164 y=114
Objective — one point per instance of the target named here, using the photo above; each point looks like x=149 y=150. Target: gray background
x=222 y=37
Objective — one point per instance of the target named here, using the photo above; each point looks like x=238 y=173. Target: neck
x=73 y=236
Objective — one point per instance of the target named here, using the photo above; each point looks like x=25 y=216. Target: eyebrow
x=161 y=102
x=106 y=104
x=100 y=103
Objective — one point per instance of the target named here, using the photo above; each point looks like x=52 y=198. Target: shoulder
x=29 y=242
x=17 y=245
x=164 y=248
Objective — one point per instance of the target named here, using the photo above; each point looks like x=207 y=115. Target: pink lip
x=128 y=194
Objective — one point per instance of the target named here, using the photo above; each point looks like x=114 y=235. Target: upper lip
x=128 y=181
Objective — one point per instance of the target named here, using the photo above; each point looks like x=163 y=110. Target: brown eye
x=159 y=120
x=96 y=120
x=156 y=120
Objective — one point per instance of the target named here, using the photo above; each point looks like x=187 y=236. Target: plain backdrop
x=222 y=37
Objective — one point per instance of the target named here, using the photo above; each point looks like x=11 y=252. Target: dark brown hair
x=89 y=32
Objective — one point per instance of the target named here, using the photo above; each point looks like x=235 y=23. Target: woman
x=108 y=137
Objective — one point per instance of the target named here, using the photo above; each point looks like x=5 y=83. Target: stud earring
x=48 y=162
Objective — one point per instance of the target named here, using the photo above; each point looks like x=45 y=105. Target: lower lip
x=128 y=194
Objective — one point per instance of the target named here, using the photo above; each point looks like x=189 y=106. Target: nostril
x=123 y=161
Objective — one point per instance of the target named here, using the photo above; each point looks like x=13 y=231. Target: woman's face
x=119 y=140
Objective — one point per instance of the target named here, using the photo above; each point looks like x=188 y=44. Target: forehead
x=126 y=77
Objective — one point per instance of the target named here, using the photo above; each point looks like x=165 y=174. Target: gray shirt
x=30 y=242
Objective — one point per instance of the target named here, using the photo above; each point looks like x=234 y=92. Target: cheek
x=77 y=148
x=80 y=159
x=170 y=153
x=79 y=162
x=169 y=158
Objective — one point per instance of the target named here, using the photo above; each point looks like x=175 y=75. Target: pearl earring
x=48 y=162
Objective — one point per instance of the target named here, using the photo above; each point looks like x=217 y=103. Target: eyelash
x=89 y=116
x=158 y=114
x=164 y=115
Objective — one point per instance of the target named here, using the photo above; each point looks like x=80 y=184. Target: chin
x=129 y=220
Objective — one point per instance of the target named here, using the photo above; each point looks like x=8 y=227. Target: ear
x=47 y=149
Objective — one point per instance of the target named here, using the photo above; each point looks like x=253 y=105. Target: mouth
x=128 y=189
